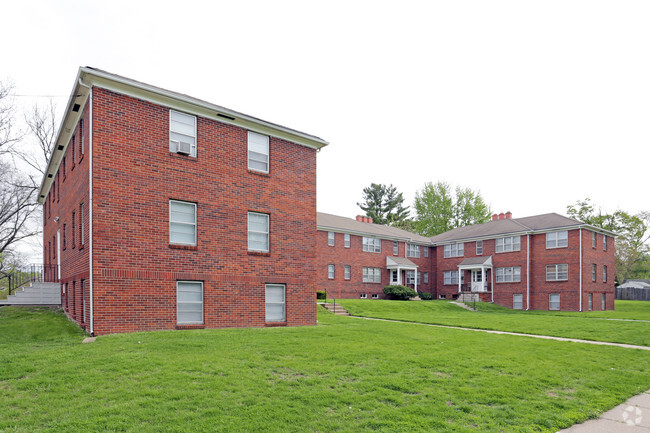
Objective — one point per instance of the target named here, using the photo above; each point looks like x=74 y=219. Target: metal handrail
x=34 y=273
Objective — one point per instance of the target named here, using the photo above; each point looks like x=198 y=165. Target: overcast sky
x=535 y=104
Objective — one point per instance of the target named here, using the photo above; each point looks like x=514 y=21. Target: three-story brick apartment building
x=163 y=211
x=544 y=262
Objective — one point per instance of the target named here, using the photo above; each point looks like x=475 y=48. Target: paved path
x=519 y=334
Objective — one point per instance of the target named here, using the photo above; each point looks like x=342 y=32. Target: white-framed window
x=258 y=232
x=554 y=301
x=510 y=274
x=451 y=277
x=347 y=272
x=454 y=250
x=479 y=248
x=602 y=300
x=393 y=277
x=557 y=272
x=395 y=248
x=82 y=224
x=330 y=272
x=275 y=299
x=182 y=133
x=330 y=239
x=442 y=296
x=426 y=251
x=410 y=277
x=258 y=152
x=372 y=245
x=593 y=272
x=604 y=242
x=593 y=239
x=412 y=250
x=346 y=240
x=189 y=302
x=517 y=302
x=182 y=222
x=507 y=244
x=363 y=296
x=375 y=296
x=557 y=239
x=371 y=275
x=426 y=278
x=591 y=302
x=604 y=273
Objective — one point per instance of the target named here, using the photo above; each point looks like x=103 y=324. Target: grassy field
x=344 y=375
x=587 y=326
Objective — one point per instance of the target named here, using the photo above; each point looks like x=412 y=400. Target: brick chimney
x=508 y=215
x=359 y=218
x=495 y=217
x=502 y=216
x=369 y=220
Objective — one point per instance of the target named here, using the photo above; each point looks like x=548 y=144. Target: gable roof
x=329 y=222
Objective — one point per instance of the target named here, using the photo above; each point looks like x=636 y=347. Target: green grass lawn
x=344 y=375
x=588 y=325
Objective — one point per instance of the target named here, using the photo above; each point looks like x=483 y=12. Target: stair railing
x=34 y=273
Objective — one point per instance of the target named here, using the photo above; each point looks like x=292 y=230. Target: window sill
x=81 y=158
x=197 y=326
x=185 y=157
x=259 y=253
x=275 y=324
x=184 y=247
x=259 y=173
x=81 y=247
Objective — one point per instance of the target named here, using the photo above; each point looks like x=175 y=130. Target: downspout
x=90 y=206
x=580 y=309
x=527 y=271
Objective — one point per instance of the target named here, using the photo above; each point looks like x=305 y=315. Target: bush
x=399 y=292
x=321 y=294
x=425 y=296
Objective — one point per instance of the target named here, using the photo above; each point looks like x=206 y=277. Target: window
x=330 y=239
x=451 y=277
x=347 y=271
x=393 y=278
x=426 y=278
x=275 y=303
x=63 y=165
x=182 y=223
x=455 y=250
x=508 y=275
x=554 y=301
x=375 y=296
x=507 y=244
x=442 y=296
x=74 y=229
x=372 y=245
x=593 y=272
x=557 y=239
x=82 y=140
x=517 y=302
x=346 y=240
x=258 y=232
x=479 y=248
x=82 y=225
x=363 y=296
x=258 y=152
x=83 y=300
x=65 y=231
x=426 y=251
x=371 y=275
x=604 y=242
x=395 y=248
x=412 y=250
x=602 y=300
x=330 y=272
x=410 y=277
x=73 y=150
x=182 y=133
x=189 y=302
x=591 y=302
x=604 y=273
x=557 y=272
x=593 y=239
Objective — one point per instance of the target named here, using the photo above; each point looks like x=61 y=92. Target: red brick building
x=544 y=262
x=162 y=211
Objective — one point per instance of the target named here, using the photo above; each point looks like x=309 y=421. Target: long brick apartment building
x=163 y=211
x=544 y=262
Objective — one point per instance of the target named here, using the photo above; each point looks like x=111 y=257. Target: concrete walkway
x=633 y=416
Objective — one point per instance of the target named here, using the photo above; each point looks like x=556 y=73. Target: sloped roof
x=399 y=261
x=474 y=261
x=543 y=222
x=327 y=221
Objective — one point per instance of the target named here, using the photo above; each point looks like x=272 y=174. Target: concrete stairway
x=35 y=294
x=335 y=308
x=468 y=298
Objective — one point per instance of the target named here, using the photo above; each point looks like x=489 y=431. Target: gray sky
x=535 y=104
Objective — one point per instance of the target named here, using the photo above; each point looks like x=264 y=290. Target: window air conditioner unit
x=184 y=148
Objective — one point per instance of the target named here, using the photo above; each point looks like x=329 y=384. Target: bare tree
x=8 y=134
x=17 y=207
x=41 y=121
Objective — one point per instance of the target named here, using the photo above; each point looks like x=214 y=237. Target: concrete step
x=35 y=294
x=335 y=308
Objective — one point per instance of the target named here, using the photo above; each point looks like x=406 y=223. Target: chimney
x=495 y=217
x=359 y=218
x=369 y=220
x=502 y=216
x=508 y=215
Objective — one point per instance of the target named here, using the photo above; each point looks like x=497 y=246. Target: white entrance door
x=477 y=280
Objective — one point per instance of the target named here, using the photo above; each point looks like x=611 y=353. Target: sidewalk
x=633 y=416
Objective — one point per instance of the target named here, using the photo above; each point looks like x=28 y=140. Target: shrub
x=425 y=296
x=399 y=292
x=321 y=294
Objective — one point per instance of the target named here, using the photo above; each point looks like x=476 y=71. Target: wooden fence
x=632 y=294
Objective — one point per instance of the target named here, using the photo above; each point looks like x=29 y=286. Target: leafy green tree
x=440 y=208
x=632 y=243
x=384 y=204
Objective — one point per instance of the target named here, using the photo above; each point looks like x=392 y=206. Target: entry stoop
x=468 y=298
x=335 y=308
x=35 y=294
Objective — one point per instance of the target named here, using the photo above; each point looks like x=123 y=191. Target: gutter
x=580 y=308
x=528 y=272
